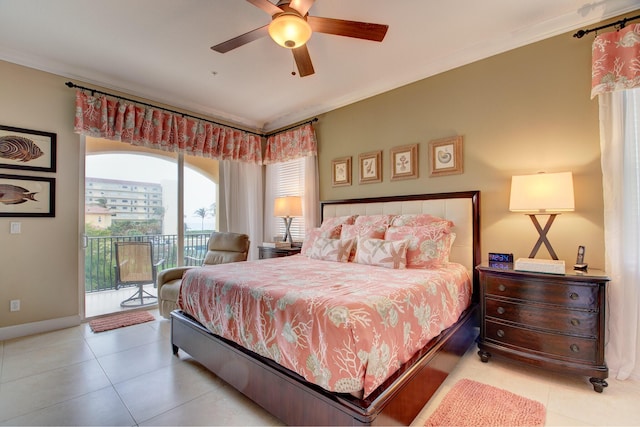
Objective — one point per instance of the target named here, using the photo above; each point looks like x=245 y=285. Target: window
x=286 y=179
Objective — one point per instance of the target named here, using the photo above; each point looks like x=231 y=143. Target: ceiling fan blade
x=303 y=60
x=245 y=38
x=267 y=6
x=340 y=27
x=302 y=6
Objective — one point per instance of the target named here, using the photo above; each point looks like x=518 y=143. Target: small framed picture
x=370 y=167
x=404 y=162
x=341 y=171
x=27 y=196
x=445 y=156
x=27 y=149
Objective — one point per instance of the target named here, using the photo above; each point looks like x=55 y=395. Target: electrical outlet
x=15 y=305
x=15 y=228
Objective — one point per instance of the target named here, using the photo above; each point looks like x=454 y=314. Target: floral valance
x=616 y=60
x=291 y=144
x=120 y=120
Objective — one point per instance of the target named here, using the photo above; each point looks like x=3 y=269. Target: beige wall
x=521 y=112
x=40 y=266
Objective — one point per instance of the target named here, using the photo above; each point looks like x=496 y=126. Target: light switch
x=15 y=227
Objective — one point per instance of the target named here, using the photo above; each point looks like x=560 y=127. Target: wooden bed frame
x=295 y=401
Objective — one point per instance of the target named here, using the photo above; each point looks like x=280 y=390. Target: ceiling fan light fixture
x=289 y=30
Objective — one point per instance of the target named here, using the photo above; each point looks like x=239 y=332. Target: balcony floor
x=105 y=302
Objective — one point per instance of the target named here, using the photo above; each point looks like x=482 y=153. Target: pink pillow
x=356 y=231
x=336 y=221
x=314 y=233
x=416 y=220
x=382 y=253
x=374 y=220
x=429 y=246
x=337 y=250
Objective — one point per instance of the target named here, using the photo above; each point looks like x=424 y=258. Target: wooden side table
x=265 y=252
x=552 y=321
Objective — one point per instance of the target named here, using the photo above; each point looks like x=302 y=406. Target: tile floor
x=130 y=377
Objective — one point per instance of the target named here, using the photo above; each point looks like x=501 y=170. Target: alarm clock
x=500 y=257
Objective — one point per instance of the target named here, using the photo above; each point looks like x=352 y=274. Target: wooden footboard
x=295 y=401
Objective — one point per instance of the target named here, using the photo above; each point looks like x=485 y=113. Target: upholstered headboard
x=463 y=208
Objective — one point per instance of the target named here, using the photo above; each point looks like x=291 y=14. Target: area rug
x=470 y=403
x=120 y=320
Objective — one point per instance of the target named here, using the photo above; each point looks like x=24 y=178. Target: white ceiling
x=160 y=49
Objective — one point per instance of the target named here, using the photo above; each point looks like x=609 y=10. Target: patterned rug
x=470 y=403
x=120 y=320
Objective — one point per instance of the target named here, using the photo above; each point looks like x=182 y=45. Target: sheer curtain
x=241 y=199
x=616 y=81
x=620 y=147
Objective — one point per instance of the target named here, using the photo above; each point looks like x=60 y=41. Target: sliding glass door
x=137 y=194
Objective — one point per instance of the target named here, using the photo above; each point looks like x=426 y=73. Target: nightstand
x=552 y=321
x=265 y=252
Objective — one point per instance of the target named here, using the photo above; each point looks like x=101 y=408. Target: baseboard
x=25 y=329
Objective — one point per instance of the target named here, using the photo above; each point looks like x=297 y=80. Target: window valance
x=616 y=60
x=120 y=120
x=291 y=144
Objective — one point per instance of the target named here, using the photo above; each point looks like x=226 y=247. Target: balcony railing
x=100 y=255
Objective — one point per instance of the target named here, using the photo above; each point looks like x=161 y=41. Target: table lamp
x=542 y=194
x=287 y=208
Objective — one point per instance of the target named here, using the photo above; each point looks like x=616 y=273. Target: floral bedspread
x=343 y=326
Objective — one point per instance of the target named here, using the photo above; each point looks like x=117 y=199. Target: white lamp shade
x=542 y=193
x=287 y=206
x=289 y=30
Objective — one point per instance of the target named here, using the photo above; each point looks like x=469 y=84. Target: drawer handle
x=575 y=322
x=500 y=310
x=574 y=296
x=574 y=348
x=500 y=333
x=502 y=288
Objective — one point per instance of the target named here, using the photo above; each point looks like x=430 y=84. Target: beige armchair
x=222 y=248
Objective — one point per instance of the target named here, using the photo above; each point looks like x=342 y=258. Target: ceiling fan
x=291 y=27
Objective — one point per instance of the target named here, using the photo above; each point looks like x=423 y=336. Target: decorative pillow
x=429 y=246
x=374 y=220
x=416 y=220
x=382 y=253
x=314 y=233
x=337 y=221
x=331 y=249
x=356 y=231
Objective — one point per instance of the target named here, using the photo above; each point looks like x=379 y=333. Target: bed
x=402 y=394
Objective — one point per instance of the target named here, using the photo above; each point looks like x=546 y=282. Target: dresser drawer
x=573 y=322
x=548 y=292
x=563 y=346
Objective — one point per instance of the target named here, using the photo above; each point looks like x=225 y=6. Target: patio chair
x=134 y=266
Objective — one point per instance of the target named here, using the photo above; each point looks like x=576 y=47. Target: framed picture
x=27 y=196
x=445 y=156
x=404 y=162
x=27 y=149
x=371 y=167
x=341 y=171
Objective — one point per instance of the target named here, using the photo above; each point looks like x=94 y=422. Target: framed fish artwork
x=27 y=149
x=27 y=196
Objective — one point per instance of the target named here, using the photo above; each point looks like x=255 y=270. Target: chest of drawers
x=551 y=321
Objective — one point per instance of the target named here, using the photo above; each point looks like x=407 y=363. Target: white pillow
x=382 y=253
x=331 y=249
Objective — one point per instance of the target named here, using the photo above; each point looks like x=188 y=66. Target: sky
x=200 y=192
